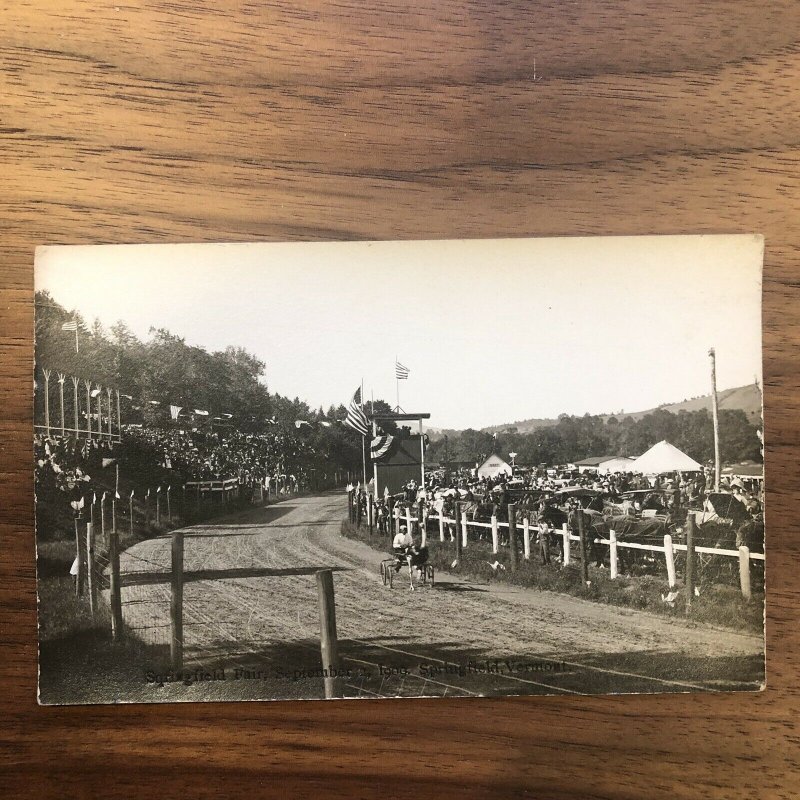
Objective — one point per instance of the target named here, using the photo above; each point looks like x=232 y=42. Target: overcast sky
x=493 y=331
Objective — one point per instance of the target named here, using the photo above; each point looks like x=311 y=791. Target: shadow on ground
x=91 y=669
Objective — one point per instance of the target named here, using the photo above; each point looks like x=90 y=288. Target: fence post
x=512 y=535
x=744 y=571
x=423 y=534
x=396 y=518
x=115 y=586
x=612 y=537
x=130 y=511
x=409 y=526
x=176 y=602
x=147 y=509
x=79 y=562
x=370 y=514
x=464 y=530
x=90 y=576
x=441 y=524
x=584 y=559
x=495 y=534
x=103 y=518
x=457 y=517
x=526 y=537
x=567 y=543
x=169 y=504
x=328 y=642
x=689 y=579
x=669 y=555
x=158 y=506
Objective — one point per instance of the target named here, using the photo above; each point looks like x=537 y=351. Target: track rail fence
x=461 y=531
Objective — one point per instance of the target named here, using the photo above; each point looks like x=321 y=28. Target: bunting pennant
x=380 y=446
x=174 y=411
x=200 y=412
x=298 y=423
x=325 y=423
x=356 y=418
x=96 y=392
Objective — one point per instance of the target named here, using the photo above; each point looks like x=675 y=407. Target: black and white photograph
x=398 y=469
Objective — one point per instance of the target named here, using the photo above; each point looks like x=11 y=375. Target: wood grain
x=193 y=121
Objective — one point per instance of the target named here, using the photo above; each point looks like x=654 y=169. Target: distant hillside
x=746 y=398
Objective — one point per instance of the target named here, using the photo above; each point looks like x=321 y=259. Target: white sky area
x=493 y=331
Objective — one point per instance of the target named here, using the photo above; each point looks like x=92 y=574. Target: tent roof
x=664 y=457
x=593 y=461
x=745 y=470
x=500 y=459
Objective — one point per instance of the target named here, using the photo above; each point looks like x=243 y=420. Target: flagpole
x=397 y=383
x=363 y=441
x=76 y=338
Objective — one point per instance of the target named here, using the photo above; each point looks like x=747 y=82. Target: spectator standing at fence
x=544 y=539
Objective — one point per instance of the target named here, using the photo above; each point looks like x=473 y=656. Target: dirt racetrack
x=251 y=624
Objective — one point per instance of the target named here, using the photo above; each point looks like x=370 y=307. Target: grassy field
x=718 y=603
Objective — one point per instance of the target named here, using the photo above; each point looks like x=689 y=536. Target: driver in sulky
x=403 y=546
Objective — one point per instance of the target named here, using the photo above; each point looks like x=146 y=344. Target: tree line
x=574 y=438
x=166 y=370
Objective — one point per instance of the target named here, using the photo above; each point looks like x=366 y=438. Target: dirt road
x=251 y=624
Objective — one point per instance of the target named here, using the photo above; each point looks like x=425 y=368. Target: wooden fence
x=459 y=527
x=106 y=518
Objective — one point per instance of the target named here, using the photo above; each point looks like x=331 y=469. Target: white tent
x=494 y=466
x=664 y=457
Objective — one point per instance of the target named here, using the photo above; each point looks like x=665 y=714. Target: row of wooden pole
x=100 y=433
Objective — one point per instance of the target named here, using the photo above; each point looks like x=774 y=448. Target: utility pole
x=715 y=416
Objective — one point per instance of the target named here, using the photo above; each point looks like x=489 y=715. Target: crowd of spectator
x=67 y=465
x=196 y=455
x=539 y=489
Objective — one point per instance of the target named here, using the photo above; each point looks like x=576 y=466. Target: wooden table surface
x=190 y=121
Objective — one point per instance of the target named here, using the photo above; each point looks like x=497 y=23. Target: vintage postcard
x=399 y=469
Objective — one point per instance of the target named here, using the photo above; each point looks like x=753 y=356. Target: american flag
x=401 y=372
x=356 y=418
x=72 y=325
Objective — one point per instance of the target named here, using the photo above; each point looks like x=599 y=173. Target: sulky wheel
x=431 y=578
x=384 y=576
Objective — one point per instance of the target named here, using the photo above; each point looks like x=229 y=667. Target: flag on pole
x=96 y=391
x=401 y=372
x=72 y=326
x=356 y=418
